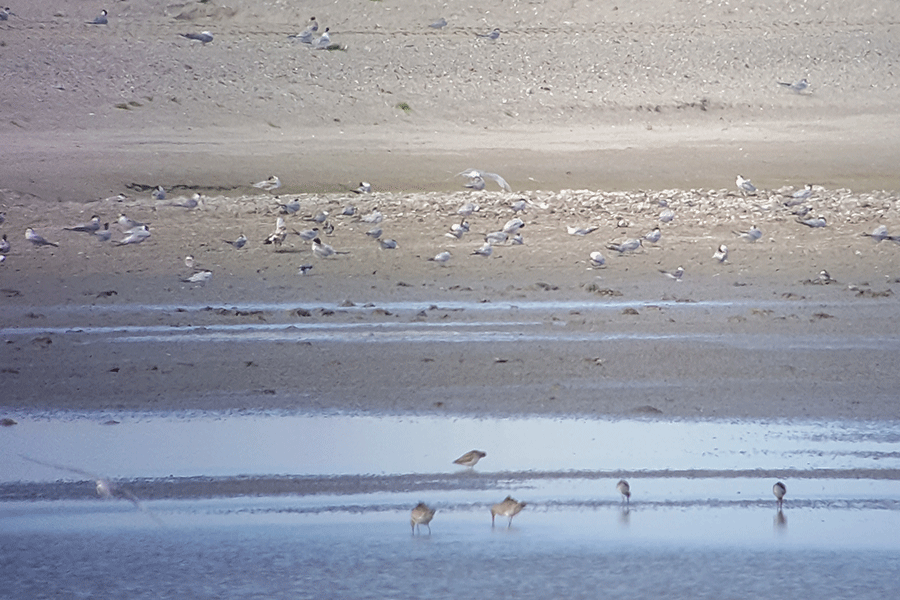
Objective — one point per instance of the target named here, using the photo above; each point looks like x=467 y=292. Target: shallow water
x=310 y=506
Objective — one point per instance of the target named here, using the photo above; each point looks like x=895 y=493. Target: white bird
x=816 y=222
x=104 y=234
x=127 y=223
x=99 y=19
x=473 y=173
x=4 y=245
x=238 y=243
x=440 y=23
x=797 y=86
x=475 y=183
x=277 y=236
x=470 y=458
x=304 y=269
x=90 y=227
x=751 y=235
x=375 y=233
x=289 y=208
x=780 y=490
x=580 y=230
x=324 y=41
x=517 y=240
x=189 y=261
x=825 y=277
x=513 y=226
x=496 y=237
x=441 y=258
x=188 y=203
x=364 y=188
x=486 y=250
x=324 y=250
x=135 y=236
x=308 y=235
x=623 y=488
x=804 y=193
x=629 y=245
x=721 y=254
x=306 y=35
x=159 y=193
x=597 y=260
x=319 y=218
x=467 y=209
x=677 y=274
x=37 y=240
x=373 y=218
x=494 y=34
x=388 y=244
x=879 y=233
x=519 y=205
x=198 y=277
x=204 y=36
x=744 y=185
x=667 y=215
x=421 y=515
x=507 y=508
x=458 y=229
x=653 y=236
x=272 y=183
x=348 y=211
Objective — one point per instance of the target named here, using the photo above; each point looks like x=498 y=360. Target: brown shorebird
x=507 y=508
x=623 y=488
x=779 y=490
x=421 y=515
x=470 y=459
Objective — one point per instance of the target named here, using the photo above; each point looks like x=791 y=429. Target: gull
x=744 y=186
x=486 y=250
x=473 y=173
x=373 y=218
x=308 y=234
x=597 y=260
x=99 y=19
x=91 y=227
x=677 y=274
x=475 y=183
x=272 y=183
x=238 y=243
x=324 y=250
x=470 y=458
x=580 y=230
x=306 y=35
x=159 y=193
x=467 y=209
x=798 y=86
x=653 y=236
x=879 y=233
x=519 y=205
x=277 y=236
x=304 y=269
x=494 y=34
x=629 y=245
x=667 y=215
x=816 y=222
x=388 y=244
x=804 y=193
x=290 y=207
x=421 y=515
x=721 y=254
x=751 y=235
x=105 y=488
x=507 y=508
x=198 y=277
x=319 y=218
x=780 y=490
x=439 y=24
x=513 y=226
x=37 y=240
x=375 y=233
x=127 y=223
x=135 y=236
x=324 y=41
x=204 y=36
x=623 y=488
x=458 y=229
x=441 y=258
x=364 y=188
x=496 y=237
x=104 y=234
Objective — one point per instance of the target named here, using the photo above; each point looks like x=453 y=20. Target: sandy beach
x=601 y=116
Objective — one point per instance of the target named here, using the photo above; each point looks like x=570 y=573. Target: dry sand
x=653 y=96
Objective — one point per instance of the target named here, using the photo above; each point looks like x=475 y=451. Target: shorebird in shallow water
x=471 y=458
x=780 y=490
x=421 y=515
x=623 y=488
x=508 y=508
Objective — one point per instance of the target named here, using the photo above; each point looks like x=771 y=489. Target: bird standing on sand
x=629 y=245
x=421 y=515
x=803 y=193
x=37 y=240
x=306 y=35
x=159 y=193
x=441 y=258
x=99 y=19
x=508 y=508
x=91 y=227
x=277 y=237
x=471 y=458
x=597 y=260
x=513 y=226
x=879 y=233
x=364 y=188
x=816 y=222
x=104 y=234
x=238 y=243
x=623 y=488
x=4 y=245
x=324 y=41
x=653 y=236
x=677 y=274
x=486 y=250
x=324 y=250
x=721 y=254
x=744 y=186
x=272 y=183
x=780 y=490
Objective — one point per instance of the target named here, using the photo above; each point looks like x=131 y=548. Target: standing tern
x=744 y=185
